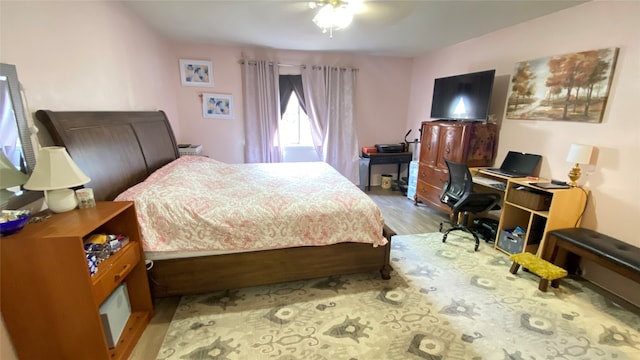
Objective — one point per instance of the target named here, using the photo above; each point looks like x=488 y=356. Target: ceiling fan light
x=334 y=16
x=324 y=17
x=342 y=17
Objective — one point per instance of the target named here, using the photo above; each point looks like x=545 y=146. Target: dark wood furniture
x=611 y=253
x=50 y=302
x=386 y=158
x=471 y=143
x=120 y=149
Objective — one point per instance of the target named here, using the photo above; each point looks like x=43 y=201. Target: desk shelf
x=543 y=213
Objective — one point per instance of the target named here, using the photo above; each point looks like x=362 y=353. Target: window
x=294 y=126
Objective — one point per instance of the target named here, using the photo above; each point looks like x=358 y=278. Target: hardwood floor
x=399 y=212
x=402 y=216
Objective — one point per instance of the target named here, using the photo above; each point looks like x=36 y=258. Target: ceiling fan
x=334 y=14
x=339 y=14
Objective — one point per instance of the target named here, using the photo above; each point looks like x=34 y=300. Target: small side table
x=386 y=158
x=189 y=149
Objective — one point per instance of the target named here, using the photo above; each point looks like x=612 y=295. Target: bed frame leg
x=385 y=272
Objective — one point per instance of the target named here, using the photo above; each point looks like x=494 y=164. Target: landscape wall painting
x=570 y=87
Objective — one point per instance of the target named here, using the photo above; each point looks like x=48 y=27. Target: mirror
x=15 y=137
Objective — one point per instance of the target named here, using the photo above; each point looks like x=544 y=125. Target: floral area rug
x=444 y=301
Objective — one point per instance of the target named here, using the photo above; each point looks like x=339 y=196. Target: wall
x=613 y=208
x=116 y=63
x=86 y=56
x=96 y=55
x=381 y=96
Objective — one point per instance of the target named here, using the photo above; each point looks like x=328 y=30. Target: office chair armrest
x=445 y=187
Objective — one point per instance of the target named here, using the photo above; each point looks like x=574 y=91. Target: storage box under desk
x=513 y=244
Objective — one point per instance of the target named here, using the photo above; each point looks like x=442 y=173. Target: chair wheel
x=440 y=230
x=444 y=238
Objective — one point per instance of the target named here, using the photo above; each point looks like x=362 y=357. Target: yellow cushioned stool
x=546 y=270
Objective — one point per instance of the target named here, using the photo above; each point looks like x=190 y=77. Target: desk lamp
x=56 y=173
x=9 y=177
x=578 y=154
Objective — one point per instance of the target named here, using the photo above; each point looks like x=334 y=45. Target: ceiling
x=390 y=28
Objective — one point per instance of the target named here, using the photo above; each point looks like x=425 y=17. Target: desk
x=386 y=158
x=492 y=181
x=561 y=208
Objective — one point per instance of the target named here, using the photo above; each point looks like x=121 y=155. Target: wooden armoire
x=473 y=143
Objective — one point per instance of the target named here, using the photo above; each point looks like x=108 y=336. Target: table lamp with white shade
x=9 y=177
x=578 y=154
x=56 y=173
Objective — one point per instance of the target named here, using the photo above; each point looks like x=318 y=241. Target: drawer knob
x=122 y=273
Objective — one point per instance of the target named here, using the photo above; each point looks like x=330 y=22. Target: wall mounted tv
x=463 y=97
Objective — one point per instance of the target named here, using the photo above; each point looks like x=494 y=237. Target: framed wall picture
x=217 y=106
x=569 y=87
x=196 y=72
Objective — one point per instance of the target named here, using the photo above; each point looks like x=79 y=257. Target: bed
x=122 y=152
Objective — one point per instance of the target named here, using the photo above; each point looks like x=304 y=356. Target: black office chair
x=458 y=194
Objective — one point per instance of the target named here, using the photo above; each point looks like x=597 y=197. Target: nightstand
x=50 y=302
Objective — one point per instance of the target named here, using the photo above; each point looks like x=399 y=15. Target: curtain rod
x=252 y=62
x=270 y=63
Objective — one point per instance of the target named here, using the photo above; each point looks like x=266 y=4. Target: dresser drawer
x=430 y=195
x=433 y=176
x=112 y=271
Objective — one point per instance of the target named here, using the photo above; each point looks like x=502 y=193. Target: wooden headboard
x=116 y=149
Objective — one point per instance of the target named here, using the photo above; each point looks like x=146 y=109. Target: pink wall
x=97 y=55
x=381 y=95
x=613 y=208
x=86 y=56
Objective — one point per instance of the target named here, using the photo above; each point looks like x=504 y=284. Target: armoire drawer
x=430 y=194
x=433 y=176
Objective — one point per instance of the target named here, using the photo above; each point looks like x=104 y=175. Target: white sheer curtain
x=261 y=111
x=329 y=97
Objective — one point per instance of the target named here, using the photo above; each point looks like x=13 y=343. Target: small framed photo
x=196 y=72
x=217 y=106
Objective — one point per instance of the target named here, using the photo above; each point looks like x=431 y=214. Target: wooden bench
x=544 y=269
x=614 y=254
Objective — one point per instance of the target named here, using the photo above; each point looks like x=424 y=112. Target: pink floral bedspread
x=196 y=203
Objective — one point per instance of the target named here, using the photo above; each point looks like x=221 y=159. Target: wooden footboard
x=210 y=273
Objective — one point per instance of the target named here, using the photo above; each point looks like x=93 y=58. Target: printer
x=390 y=148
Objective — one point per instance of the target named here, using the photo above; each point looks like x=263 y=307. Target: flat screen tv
x=463 y=97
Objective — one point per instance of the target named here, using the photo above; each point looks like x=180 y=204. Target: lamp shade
x=580 y=153
x=9 y=175
x=55 y=170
